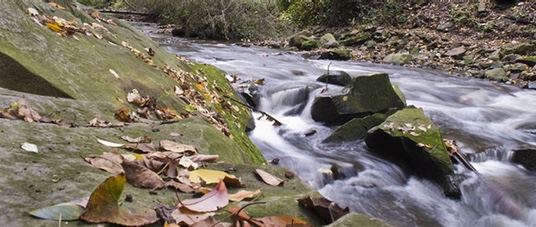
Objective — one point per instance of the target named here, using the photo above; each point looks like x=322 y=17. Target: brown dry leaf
x=109 y=162
x=187 y=163
x=169 y=145
x=268 y=178
x=212 y=201
x=205 y=158
x=123 y=114
x=188 y=217
x=165 y=114
x=103 y=206
x=212 y=222
x=140 y=139
x=143 y=147
x=283 y=220
x=243 y=194
x=141 y=176
x=328 y=210
x=180 y=186
x=56 y=5
x=27 y=113
x=241 y=218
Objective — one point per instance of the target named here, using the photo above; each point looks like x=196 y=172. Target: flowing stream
x=487 y=120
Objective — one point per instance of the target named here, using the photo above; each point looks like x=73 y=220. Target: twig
x=268 y=116
x=327 y=76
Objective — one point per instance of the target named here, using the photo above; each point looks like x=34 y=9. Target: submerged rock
x=364 y=96
x=526 y=158
x=411 y=140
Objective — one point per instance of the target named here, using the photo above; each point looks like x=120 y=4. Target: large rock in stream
x=364 y=96
x=411 y=140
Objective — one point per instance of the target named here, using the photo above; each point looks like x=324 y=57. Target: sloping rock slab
x=411 y=140
x=365 y=95
x=355 y=129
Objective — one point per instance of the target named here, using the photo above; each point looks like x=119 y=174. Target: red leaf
x=212 y=201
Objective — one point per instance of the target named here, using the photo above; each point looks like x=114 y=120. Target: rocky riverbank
x=478 y=40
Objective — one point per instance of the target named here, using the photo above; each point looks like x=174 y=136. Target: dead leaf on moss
x=123 y=114
x=283 y=220
x=268 y=178
x=209 y=176
x=243 y=194
x=328 y=210
x=140 y=139
x=29 y=147
x=141 y=176
x=185 y=216
x=103 y=206
x=172 y=146
x=143 y=147
x=109 y=162
x=212 y=201
x=180 y=186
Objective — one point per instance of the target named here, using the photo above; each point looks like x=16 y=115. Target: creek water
x=487 y=120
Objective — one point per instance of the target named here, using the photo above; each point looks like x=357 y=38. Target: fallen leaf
x=109 y=144
x=143 y=147
x=188 y=217
x=180 y=186
x=103 y=206
x=29 y=147
x=186 y=162
x=328 y=210
x=56 y=5
x=141 y=176
x=111 y=70
x=109 y=162
x=205 y=158
x=268 y=178
x=209 y=176
x=283 y=220
x=64 y=211
x=140 y=139
x=123 y=114
x=212 y=201
x=212 y=222
x=241 y=218
x=243 y=194
x=169 y=145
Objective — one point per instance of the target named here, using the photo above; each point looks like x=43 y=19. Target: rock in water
x=364 y=96
x=412 y=141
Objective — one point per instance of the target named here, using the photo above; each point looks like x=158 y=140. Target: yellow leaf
x=209 y=176
x=345 y=98
x=54 y=26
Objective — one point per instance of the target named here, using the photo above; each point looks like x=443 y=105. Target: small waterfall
x=487 y=120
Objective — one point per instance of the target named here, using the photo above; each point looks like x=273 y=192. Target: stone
x=297 y=39
x=338 y=55
x=329 y=41
x=356 y=39
x=526 y=158
x=456 y=53
x=411 y=140
x=336 y=77
x=310 y=44
x=524 y=48
x=355 y=129
x=364 y=96
x=497 y=74
x=516 y=67
x=530 y=60
x=178 y=32
x=445 y=27
x=398 y=59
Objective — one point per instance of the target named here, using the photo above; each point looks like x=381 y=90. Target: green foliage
x=221 y=19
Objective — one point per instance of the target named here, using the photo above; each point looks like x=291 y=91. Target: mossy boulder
x=351 y=220
x=355 y=39
x=355 y=129
x=398 y=59
x=364 y=96
x=310 y=44
x=338 y=55
x=530 y=60
x=297 y=39
x=525 y=48
x=497 y=74
x=411 y=140
x=329 y=41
